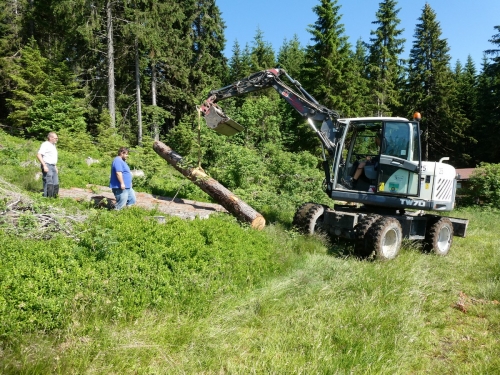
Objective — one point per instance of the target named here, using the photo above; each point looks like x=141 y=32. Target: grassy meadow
x=119 y=293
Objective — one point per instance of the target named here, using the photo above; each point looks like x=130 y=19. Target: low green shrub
x=125 y=263
x=77 y=143
x=484 y=185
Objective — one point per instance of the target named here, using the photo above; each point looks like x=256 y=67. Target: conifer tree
x=464 y=105
x=195 y=61
x=430 y=88
x=359 y=98
x=29 y=78
x=239 y=64
x=296 y=134
x=209 y=66
x=93 y=39
x=488 y=115
x=164 y=46
x=261 y=53
x=46 y=96
x=384 y=67
x=291 y=57
x=169 y=48
x=11 y=41
x=328 y=62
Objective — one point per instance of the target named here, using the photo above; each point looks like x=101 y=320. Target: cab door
x=400 y=159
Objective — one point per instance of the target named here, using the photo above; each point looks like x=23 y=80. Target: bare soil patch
x=183 y=208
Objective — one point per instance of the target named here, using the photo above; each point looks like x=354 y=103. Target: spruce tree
x=29 y=78
x=171 y=54
x=296 y=133
x=384 y=67
x=160 y=38
x=209 y=65
x=291 y=57
x=93 y=40
x=46 y=97
x=359 y=98
x=238 y=67
x=431 y=88
x=464 y=106
x=195 y=62
x=261 y=53
x=328 y=61
x=488 y=114
x=11 y=41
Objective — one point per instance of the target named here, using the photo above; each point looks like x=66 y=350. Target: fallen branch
x=20 y=217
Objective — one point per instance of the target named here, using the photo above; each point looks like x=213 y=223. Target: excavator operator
x=374 y=161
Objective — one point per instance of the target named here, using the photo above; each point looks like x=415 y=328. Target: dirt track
x=182 y=208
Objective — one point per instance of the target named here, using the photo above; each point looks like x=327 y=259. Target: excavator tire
x=365 y=222
x=300 y=215
x=308 y=218
x=383 y=239
x=439 y=236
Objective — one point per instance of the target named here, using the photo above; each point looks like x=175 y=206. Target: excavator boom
x=302 y=102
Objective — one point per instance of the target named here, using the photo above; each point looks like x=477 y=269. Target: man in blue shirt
x=120 y=180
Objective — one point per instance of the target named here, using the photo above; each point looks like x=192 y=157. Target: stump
x=100 y=201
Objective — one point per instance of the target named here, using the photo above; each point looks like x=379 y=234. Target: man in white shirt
x=47 y=155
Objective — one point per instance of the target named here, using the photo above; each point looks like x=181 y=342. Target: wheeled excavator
x=392 y=198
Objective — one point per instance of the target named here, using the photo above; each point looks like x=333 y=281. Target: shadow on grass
x=341 y=248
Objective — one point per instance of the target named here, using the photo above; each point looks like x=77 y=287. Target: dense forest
x=130 y=71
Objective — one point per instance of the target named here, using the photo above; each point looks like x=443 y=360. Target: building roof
x=464 y=173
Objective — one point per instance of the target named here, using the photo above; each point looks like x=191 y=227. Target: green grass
x=317 y=314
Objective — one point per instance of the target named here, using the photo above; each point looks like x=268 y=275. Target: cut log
x=241 y=210
x=100 y=201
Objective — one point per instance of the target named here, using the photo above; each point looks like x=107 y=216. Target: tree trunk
x=138 y=94
x=156 y=130
x=223 y=196
x=111 y=64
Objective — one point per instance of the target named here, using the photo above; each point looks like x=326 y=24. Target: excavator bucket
x=218 y=121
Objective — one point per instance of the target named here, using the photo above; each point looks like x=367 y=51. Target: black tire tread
x=304 y=218
x=373 y=237
x=364 y=224
x=432 y=235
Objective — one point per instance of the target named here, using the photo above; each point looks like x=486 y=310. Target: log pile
x=234 y=205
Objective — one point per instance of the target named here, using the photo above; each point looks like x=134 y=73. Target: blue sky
x=466 y=24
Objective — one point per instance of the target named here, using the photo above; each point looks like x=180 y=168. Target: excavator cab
x=380 y=156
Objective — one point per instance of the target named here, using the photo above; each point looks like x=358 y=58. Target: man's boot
x=56 y=191
x=50 y=190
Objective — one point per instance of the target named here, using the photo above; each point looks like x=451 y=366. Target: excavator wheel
x=365 y=222
x=439 y=236
x=308 y=218
x=300 y=215
x=383 y=239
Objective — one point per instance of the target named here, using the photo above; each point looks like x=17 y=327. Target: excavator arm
x=303 y=103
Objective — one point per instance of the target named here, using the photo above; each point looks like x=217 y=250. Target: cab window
x=396 y=140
